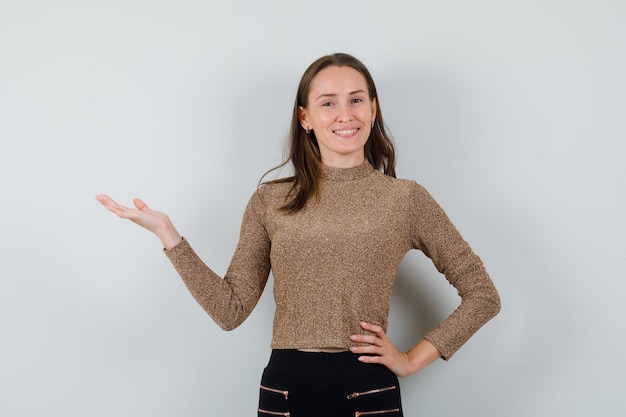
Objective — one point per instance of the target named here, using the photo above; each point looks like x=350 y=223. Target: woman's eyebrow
x=325 y=95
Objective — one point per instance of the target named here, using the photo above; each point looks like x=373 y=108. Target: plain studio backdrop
x=511 y=113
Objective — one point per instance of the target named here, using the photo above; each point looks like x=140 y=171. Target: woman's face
x=340 y=113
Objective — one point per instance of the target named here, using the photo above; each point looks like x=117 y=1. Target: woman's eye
x=327 y=103
x=357 y=100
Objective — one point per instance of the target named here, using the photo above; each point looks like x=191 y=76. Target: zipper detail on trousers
x=371 y=413
x=275 y=413
x=372 y=391
x=277 y=391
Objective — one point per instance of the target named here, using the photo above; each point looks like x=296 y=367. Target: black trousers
x=311 y=384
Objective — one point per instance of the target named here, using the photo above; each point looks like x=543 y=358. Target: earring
x=373 y=123
x=307 y=131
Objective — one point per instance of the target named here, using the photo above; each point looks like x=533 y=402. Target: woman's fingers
x=140 y=215
x=112 y=206
x=139 y=204
x=372 y=341
x=378 y=339
x=105 y=200
x=374 y=328
x=378 y=348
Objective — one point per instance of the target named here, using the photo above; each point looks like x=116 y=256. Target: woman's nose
x=345 y=115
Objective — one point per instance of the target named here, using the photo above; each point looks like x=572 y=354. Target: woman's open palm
x=155 y=221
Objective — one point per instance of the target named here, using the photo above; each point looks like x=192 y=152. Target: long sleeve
x=435 y=235
x=229 y=301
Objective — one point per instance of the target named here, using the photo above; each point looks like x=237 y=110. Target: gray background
x=510 y=112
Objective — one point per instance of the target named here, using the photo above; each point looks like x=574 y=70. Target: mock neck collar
x=347 y=174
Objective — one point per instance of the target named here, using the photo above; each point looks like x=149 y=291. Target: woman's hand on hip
x=379 y=349
x=155 y=221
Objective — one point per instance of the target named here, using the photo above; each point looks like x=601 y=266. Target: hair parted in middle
x=303 y=150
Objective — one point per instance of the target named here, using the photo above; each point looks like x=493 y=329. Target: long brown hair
x=302 y=148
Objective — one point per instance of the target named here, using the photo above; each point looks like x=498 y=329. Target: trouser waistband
x=320 y=364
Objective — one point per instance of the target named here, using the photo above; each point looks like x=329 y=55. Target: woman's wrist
x=169 y=237
x=422 y=355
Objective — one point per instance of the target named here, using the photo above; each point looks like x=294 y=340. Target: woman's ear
x=374 y=107
x=303 y=118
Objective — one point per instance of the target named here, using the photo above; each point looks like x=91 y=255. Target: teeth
x=346 y=132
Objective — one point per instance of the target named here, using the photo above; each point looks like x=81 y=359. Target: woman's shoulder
x=405 y=189
x=271 y=194
x=398 y=183
x=276 y=188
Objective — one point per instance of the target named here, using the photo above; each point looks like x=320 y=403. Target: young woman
x=333 y=236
